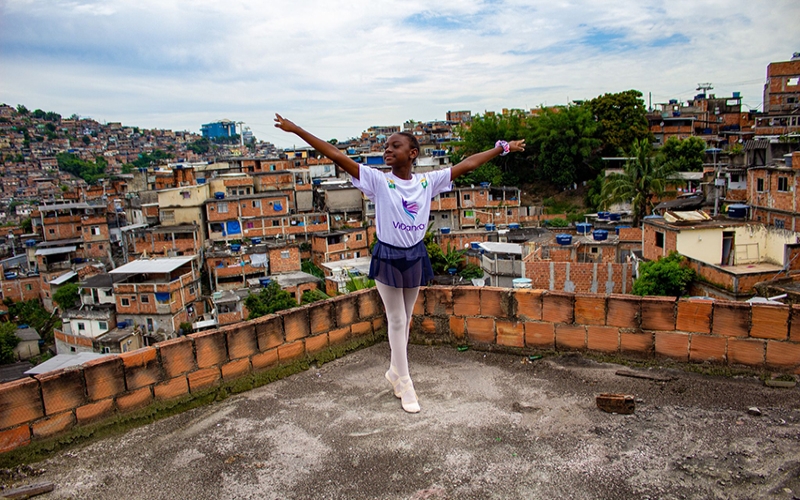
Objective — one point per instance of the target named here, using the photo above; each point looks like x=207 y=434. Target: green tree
x=8 y=341
x=562 y=145
x=621 y=119
x=86 y=140
x=642 y=181
x=435 y=253
x=684 y=155
x=91 y=172
x=31 y=312
x=22 y=110
x=309 y=267
x=26 y=225
x=200 y=146
x=314 y=295
x=269 y=300
x=667 y=276
x=67 y=296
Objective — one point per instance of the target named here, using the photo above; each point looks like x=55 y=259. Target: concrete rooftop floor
x=491 y=426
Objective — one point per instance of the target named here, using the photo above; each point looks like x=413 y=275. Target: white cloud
x=338 y=67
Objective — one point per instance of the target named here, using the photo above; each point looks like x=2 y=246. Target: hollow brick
x=428 y=326
x=624 y=311
x=316 y=343
x=53 y=425
x=290 y=352
x=558 y=307
x=510 y=333
x=264 y=360
x=235 y=369
x=640 y=343
x=672 y=345
x=94 y=411
x=439 y=301
x=339 y=336
x=769 y=322
x=783 y=354
x=590 y=309
x=794 y=327
x=658 y=313
x=295 y=322
x=209 y=348
x=20 y=402
x=361 y=329
x=495 y=302
x=369 y=303
x=320 y=318
x=177 y=356
x=171 y=389
x=481 y=330
x=457 y=327
x=202 y=379
x=707 y=348
x=466 y=301
x=11 y=439
x=269 y=332
x=62 y=390
x=731 y=319
x=105 y=377
x=529 y=304
x=135 y=399
x=602 y=338
x=746 y=351
x=694 y=315
x=346 y=310
x=541 y=335
x=570 y=336
x=141 y=368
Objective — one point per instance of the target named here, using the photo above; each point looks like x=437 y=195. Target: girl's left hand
x=516 y=146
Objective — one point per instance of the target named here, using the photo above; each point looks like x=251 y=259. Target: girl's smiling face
x=397 y=151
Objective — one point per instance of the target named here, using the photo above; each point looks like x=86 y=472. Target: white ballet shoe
x=392 y=376
x=408 y=397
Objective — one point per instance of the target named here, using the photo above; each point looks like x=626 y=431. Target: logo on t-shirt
x=391 y=184
x=410 y=208
x=424 y=182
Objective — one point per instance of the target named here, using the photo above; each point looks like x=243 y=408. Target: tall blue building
x=222 y=128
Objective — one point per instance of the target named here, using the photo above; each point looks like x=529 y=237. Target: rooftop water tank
x=255 y=241
x=264 y=282
x=490 y=227
x=484 y=184
x=219 y=195
x=564 y=239
x=737 y=211
x=445 y=230
x=476 y=245
x=201 y=180
x=602 y=215
x=521 y=283
x=613 y=216
x=600 y=235
x=513 y=225
x=236 y=247
x=30 y=243
x=583 y=227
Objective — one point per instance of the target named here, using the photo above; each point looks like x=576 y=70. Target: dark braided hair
x=413 y=140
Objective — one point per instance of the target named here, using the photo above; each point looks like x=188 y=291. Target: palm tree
x=643 y=180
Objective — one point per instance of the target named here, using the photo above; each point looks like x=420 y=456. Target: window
x=594 y=249
x=779 y=224
x=95 y=230
x=216 y=227
x=284 y=254
x=659 y=239
x=191 y=289
x=795 y=80
x=431 y=218
x=106 y=350
x=783 y=183
x=760 y=185
x=359 y=237
x=445 y=216
x=145 y=299
x=186 y=195
x=29 y=287
x=276 y=223
x=106 y=293
x=222 y=207
x=52 y=231
x=103 y=325
x=370 y=206
x=124 y=302
x=81 y=327
x=508 y=212
x=469 y=213
x=256 y=203
x=167 y=215
x=466 y=197
x=249 y=225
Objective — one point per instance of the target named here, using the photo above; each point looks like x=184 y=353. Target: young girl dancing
x=400 y=262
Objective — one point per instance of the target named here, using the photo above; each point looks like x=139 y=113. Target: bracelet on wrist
x=503 y=144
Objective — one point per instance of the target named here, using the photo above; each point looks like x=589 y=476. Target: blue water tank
x=30 y=243
x=219 y=195
x=316 y=182
x=602 y=215
x=490 y=227
x=484 y=184
x=201 y=180
x=564 y=239
x=255 y=241
x=737 y=211
x=600 y=235
x=236 y=247
x=264 y=282
x=583 y=227
x=737 y=95
x=445 y=230
x=513 y=225
x=613 y=216
x=476 y=245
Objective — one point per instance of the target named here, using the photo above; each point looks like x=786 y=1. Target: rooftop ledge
x=493 y=422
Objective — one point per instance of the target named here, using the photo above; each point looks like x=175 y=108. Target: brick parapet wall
x=39 y=409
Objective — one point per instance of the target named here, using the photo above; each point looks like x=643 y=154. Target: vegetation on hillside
x=667 y=276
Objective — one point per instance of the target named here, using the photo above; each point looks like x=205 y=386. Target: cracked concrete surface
x=491 y=426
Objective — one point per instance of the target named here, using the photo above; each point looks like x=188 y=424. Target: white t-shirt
x=402 y=207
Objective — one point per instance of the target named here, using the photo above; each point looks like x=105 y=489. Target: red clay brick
x=317 y=343
x=707 y=348
x=466 y=301
x=673 y=345
x=135 y=400
x=141 y=368
x=624 y=311
x=794 y=329
x=320 y=317
x=201 y=379
x=529 y=304
x=295 y=323
x=428 y=326
x=346 y=308
x=731 y=319
x=481 y=330
x=746 y=352
x=439 y=301
x=510 y=333
x=171 y=389
x=770 y=322
x=264 y=360
x=269 y=331
x=457 y=327
x=235 y=369
x=339 y=336
x=694 y=315
x=289 y=352
x=361 y=329
x=209 y=348
x=640 y=343
x=541 y=335
x=105 y=377
x=62 y=390
x=53 y=425
x=570 y=336
x=94 y=411
x=783 y=354
x=177 y=356
x=369 y=303
x=379 y=324
x=602 y=338
x=20 y=401
x=241 y=341
x=658 y=313
x=495 y=302
x=590 y=309
x=557 y=307
x=12 y=439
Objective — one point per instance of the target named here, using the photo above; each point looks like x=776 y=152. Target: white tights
x=399 y=305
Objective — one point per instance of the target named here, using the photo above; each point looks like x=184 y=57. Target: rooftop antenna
x=704 y=87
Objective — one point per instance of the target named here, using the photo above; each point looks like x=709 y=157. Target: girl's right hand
x=284 y=124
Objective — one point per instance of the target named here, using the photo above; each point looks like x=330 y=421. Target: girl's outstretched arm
x=329 y=150
x=470 y=163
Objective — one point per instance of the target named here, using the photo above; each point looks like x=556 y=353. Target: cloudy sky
x=338 y=67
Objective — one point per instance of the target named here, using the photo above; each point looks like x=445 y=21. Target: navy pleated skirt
x=401 y=267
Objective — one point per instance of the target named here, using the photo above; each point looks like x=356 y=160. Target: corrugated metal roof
x=54 y=251
x=491 y=246
x=63 y=278
x=152 y=266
